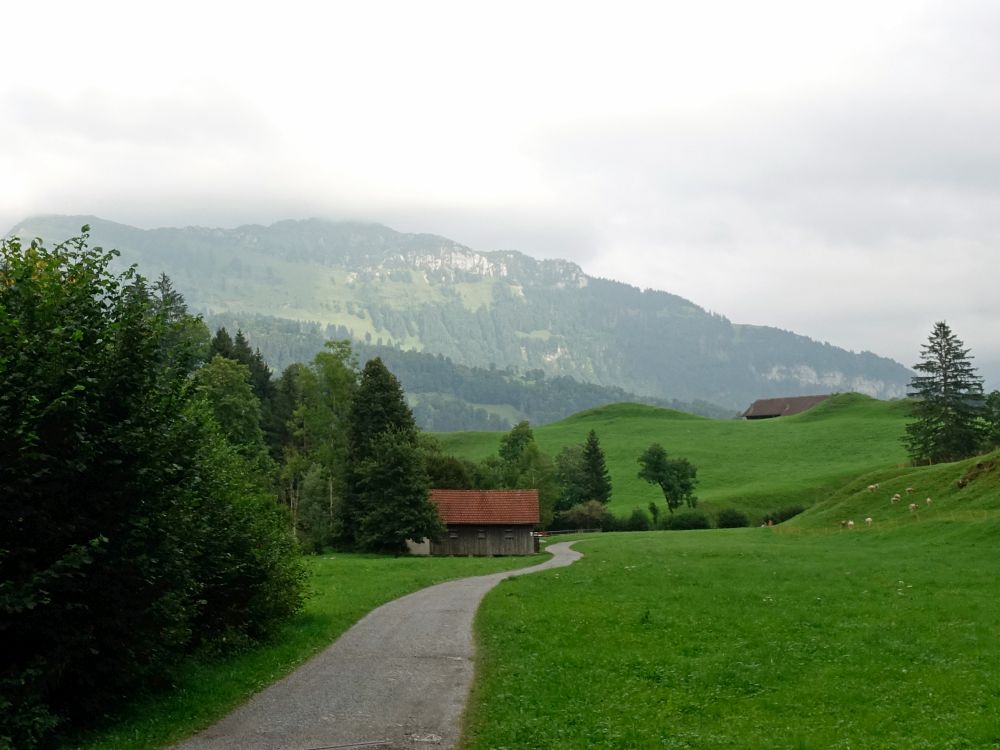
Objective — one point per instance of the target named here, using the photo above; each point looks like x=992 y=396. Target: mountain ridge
x=428 y=293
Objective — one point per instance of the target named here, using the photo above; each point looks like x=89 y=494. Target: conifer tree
x=948 y=401
x=598 y=480
x=385 y=475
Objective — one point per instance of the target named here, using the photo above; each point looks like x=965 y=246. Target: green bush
x=730 y=518
x=777 y=516
x=588 y=515
x=130 y=531
x=638 y=521
x=690 y=519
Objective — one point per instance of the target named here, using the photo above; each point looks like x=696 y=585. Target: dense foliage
x=387 y=499
x=131 y=530
x=676 y=477
x=446 y=396
x=948 y=401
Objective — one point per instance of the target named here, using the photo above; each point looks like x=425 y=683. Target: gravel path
x=398 y=679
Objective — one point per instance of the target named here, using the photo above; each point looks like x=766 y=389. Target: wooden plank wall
x=484 y=541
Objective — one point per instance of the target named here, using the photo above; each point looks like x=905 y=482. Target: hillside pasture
x=960 y=491
x=755 y=466
x=749 y=638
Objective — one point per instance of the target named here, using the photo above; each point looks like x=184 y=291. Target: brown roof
x=486 y=506
x=781 y=407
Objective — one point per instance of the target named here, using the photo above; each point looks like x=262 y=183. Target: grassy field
x=967 y=490
x=756 y=466
x=750 y=638
x=345 y=588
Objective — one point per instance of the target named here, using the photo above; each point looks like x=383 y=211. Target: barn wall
x=485 y=541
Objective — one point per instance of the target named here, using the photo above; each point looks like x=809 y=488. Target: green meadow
x=802 y=636
x=755 y=466
x=749 y=638
x=344 y=587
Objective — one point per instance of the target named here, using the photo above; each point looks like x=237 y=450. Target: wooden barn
x=483 y=523
x=768 y=408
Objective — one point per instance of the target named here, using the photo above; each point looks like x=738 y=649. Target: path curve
x=399 y=678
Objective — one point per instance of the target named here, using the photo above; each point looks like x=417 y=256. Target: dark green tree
x=130 y=531
x=571 y=477
x=225 y=385
x=395 y=489
x=520 y=464
x=598 y=480
x=381 y=431
x=222 y=344
x=992 y=417
x=676 y=477
x=947 y=406
x=513 y=444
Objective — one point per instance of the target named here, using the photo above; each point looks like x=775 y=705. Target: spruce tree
x=598 y=480
x=385 y=474
x=948 y=401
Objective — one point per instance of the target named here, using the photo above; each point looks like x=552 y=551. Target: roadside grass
x=749 y=638
x=754 y=466
x=344 y=587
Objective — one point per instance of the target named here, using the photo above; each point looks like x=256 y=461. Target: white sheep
x=850 y=524
x=873 y=487
x=894 y=499
x=913 y=507
x=869 y=521
x=909 y=490
x=928 y=501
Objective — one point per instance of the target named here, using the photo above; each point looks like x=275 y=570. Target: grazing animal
x=872 y=487
x=843 y=524
x=850 y=524
x=909 y=490
x=928 y=501
x=869 y=521
x=894 y=499
x=913 y=507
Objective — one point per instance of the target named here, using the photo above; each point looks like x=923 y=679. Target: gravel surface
x=398 y=679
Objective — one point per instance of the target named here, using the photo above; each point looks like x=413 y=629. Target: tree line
x=134 y=529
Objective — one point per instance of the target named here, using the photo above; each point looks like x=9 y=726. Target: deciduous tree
x=676 y=477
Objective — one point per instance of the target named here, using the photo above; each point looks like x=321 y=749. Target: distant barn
x=767 y=408
x=483 y=523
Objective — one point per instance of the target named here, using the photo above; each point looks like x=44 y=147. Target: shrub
x=777 y=516
x=730 y=518
x=691 y=519
x=588 y=515
x=638 y=521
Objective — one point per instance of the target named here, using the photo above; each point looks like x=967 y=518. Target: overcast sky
x=828 y=168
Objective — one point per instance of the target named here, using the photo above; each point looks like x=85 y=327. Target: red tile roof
x=486 y=506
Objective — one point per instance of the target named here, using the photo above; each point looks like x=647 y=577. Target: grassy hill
x=961 y=491
x=755 y=466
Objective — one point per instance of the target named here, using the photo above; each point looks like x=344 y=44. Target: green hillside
x=962 y=491
x=431 y=294
x=755 y=466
